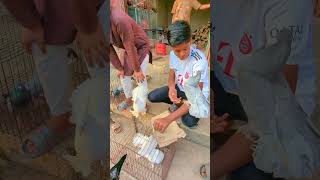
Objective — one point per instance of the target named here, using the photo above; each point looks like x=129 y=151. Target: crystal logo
x=296 y=31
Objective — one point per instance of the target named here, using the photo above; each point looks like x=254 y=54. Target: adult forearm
x=205 y=6
x=25 y=12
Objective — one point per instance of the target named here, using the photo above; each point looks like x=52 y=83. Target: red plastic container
x=161 y=49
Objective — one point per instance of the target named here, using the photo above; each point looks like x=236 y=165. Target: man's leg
x=189 y=120
x=126 y=82
x=55 y=79
x=160 y=95
x=144 y=67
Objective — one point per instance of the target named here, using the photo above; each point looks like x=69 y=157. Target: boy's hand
x=161 y=124
x=35 y=35
x=139 y=76
x=219 y=124
x=93 y=46
x=173 y=96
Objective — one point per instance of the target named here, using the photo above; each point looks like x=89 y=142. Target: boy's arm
x=171 y=80
x=25 y=13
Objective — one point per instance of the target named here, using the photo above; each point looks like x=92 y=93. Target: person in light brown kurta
x=181 y=9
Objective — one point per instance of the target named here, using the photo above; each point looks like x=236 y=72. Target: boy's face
x=182 y=51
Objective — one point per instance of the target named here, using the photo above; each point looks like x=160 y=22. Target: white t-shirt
x=244 y=26
x=183 y=69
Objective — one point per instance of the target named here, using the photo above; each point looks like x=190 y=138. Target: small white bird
x=89 y=113
x=199 y=104
x=139 y=97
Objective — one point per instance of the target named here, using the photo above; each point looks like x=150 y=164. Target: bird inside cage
x=22 y=93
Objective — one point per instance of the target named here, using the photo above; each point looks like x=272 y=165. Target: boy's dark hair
x=179 y=32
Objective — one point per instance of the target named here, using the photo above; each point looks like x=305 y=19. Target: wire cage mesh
x=137 y=166
x=121 y=143
x=17 y=70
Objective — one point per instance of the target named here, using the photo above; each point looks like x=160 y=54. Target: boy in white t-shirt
x=185 y=60
x=257 y=25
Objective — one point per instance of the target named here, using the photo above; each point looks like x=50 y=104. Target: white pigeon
x=199 y=104
x=89 y=113
x=285 y=143
x=139 y=97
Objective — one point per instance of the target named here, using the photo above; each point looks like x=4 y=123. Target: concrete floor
x=14 y=171
x=187 y=161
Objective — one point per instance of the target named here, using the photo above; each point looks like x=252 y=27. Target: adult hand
x=161 y=124
x=120 y=73
x=219 y=124
x=93 y=46
x=139 y=76
x=173 y=96
x=34 y=35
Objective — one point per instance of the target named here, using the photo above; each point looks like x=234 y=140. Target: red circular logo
x=186 y=75
x=245 y=45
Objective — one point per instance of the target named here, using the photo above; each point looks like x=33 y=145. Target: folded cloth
x=170 y=135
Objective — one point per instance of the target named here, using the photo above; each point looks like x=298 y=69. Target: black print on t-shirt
x=296 y=30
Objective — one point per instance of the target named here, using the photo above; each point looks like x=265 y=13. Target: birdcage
x=135 y=165
x=20 y=110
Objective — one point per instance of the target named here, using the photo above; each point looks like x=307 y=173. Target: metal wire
x=18 y=67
